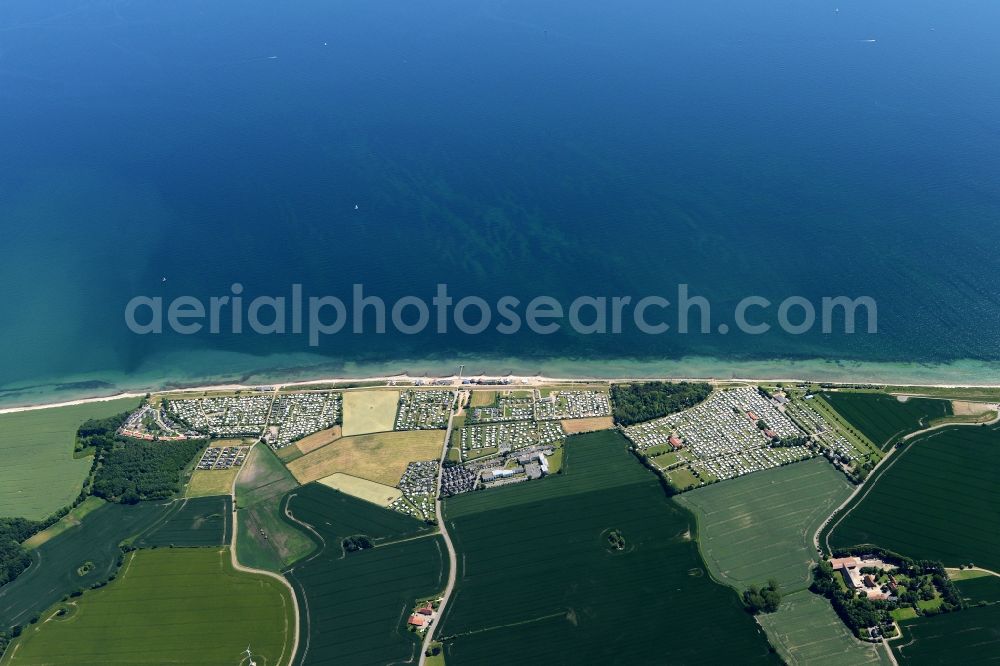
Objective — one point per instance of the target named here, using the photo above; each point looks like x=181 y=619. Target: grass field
x=982 y=394
x=379 y=457
x=937 y=500
x=482 y=398
x=576 y=426
x=71 y=519
x=538 y=583
x=883 y=418
x=265 y=540
x=54 y=569
x=369 y=411
x=200 y=521
x=968 y=637
x=356 y=605
x=169 y=606
x=211 y=482
x=806 y=631
x=364 y=489
x=760 y=526
x=39 y=474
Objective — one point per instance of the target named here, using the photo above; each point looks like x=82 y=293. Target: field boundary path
x=452 y=557
x=881 y=467
x=239 y=567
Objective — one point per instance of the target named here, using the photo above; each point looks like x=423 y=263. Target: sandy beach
x=455 y=381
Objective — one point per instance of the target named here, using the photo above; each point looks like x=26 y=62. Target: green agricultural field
x=54 y=569
x=171 y=605
x=265 y=539
x=71 y=519
x=966 y=637
x=983 y=589
x=199 y=521
x=539 y=582
x=806 y=631
x=760 y=526
x=937 y=499
x=355 y=606
x=39 y=474
x=883 y=418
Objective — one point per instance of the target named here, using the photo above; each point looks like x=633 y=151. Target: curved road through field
x=284 y=581
x=881 y=467
x=452 y=557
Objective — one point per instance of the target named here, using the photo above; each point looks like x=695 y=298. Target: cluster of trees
x=856 y=612
x=924 y=579
x=134 y=470
x=353 y=544
x=642 y=401
x=763 y=600
x=99 y=434
x=128 y=470
x=14 y=557
x=802 y=440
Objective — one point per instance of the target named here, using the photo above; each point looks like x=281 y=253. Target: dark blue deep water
x=517 y=147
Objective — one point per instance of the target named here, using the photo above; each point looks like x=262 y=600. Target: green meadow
x=355 y=605
x=265 y=539
x=540 y=582
x=937 y=499
x=170 y=605
x=760 y=526
x=883 y=418
x=39 y=474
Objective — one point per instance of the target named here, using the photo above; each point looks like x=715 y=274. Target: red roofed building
x=752 y=416
x=426 y=610
x=417 y=621
x=675 y=442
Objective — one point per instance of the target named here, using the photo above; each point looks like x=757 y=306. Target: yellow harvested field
x=211 y=482
x=379 y=457
x=482 y=398
x=369 y=491
x=964 y=408
x=369 y=411
x=221 y=443
x=319 y=439
x=574 y=426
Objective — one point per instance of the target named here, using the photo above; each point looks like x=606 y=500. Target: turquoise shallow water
x=516 y=147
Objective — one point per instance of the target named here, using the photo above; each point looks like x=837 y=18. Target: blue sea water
x=518 y=147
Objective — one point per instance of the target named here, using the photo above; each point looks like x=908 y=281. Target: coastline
x=516 y=380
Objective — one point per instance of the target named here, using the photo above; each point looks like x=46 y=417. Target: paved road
x=279 y=577
x=870 y=481
x=452 y=557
